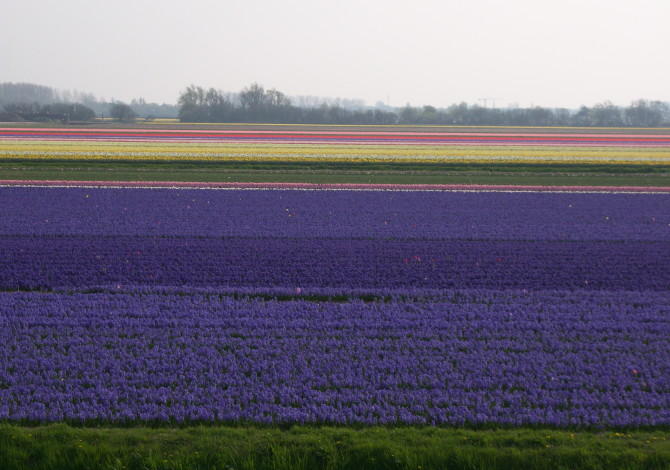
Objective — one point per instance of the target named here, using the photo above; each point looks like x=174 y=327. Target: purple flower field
x=308 y=214
x=283 y=306
x=52 y=263
x=468 y=356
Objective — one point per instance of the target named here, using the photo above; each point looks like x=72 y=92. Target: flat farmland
x=258 y=306
x=332 y=154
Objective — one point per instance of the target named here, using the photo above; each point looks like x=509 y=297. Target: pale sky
x=530 y=52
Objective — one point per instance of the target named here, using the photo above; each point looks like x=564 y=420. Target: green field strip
x=342 y=166
x=60 y=446
x=326 y=176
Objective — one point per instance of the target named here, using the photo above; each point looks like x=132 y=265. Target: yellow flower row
x=83 y=150
x=182 y=147
x=357 y=158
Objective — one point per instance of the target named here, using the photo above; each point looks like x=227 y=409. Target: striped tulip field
x=44 y=144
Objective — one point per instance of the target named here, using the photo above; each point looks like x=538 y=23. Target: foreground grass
x=60 y=446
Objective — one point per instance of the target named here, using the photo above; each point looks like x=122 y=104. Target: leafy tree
x=24 y=109
x=200 y=105
x=606 y=115
x=68 y=111
x=252 y=98
x=562 y=117
x=50 y=112
x=459 y=113
x=582 y=117
x=429 y=115
x=122 y=112
x=479 y=115
x=260 y=105
x=643 y=113
x=11 y=93
x=276 y=99
x=540 y=116
x=385 y=117
x=219 y=106
x=192 y=104
x=408 y=115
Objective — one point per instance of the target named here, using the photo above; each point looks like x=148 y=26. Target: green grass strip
x=60 y=446
x=323 y=177
x=337 y=166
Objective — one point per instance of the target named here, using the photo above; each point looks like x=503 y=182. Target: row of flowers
x=571 y=359
x=427 y=215
x=56 y=262
x=301 y=151
x=278 y=136
x=295 y=306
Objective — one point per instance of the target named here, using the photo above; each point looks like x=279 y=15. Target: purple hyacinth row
x=469 y=357
x=509 y=308
x=48 y=263
x=333 y=214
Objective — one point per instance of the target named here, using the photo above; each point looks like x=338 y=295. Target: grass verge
x=333 y=166
x=59 y=446
x=567 y=175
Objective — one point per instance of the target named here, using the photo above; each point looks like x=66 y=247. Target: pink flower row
x=341 y=186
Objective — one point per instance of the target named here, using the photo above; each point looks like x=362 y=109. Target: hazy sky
x=541 y=52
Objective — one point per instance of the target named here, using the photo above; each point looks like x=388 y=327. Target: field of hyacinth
x=182 y=305
x=322 y=297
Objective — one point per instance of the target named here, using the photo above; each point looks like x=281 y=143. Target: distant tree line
x=15 y=93
x=31 y=102
x=146 y=110
x=64 y=112
x=641 y=113
x=255 y=104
